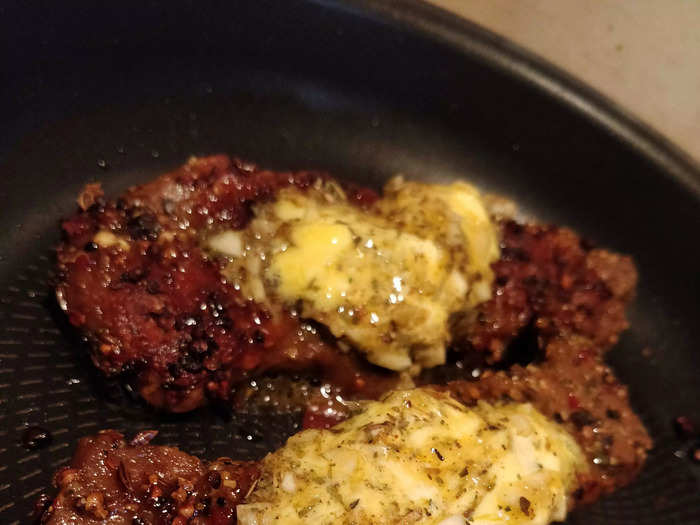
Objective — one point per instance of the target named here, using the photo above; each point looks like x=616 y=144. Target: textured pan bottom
x=46 y=380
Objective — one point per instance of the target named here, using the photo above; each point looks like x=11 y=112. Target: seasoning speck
x=525 y=505
x=214 y=479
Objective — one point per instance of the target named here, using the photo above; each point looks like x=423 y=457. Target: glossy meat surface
x=156 y=309
x=135 y=281
x=552 y=281
x=134 y=483
x=576 y=389
x=562 y=304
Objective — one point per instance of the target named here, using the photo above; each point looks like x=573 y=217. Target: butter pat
x=418 y=456
x=386 y=280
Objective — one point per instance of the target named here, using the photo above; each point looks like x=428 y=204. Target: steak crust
x=155 y=307
x=561 y=302
x=114 y=481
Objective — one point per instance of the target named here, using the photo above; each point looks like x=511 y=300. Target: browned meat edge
x=162 y=312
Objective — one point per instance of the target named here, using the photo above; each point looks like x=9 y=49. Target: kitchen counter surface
x=644 y=55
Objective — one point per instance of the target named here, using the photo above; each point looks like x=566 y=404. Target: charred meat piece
x=134 y=280
x=111 y=480
x=549 y=279
x=575 y=388
x=569 y=300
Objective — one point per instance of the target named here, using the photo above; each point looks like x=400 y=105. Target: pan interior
x=391 y=101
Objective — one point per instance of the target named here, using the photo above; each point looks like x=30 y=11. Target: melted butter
x=418 y=456
x=312 y=268
x=386 y=280
x=454 y=215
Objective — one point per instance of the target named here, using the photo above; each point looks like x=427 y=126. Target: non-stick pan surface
x=123 y=91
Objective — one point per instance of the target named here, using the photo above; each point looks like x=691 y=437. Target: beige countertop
x=642 y=54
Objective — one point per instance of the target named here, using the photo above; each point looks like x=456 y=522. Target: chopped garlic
x=418 y=456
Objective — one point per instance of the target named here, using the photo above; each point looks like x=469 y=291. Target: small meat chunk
x=134 y=280
x=550 y=279
x=114 y=481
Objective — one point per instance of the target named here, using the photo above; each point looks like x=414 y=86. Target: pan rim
x=470 y=42
x=497 y=52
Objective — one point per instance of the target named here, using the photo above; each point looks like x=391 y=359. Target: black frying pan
x=124 y=91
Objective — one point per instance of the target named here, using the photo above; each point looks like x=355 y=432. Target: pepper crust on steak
x=135 y=280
